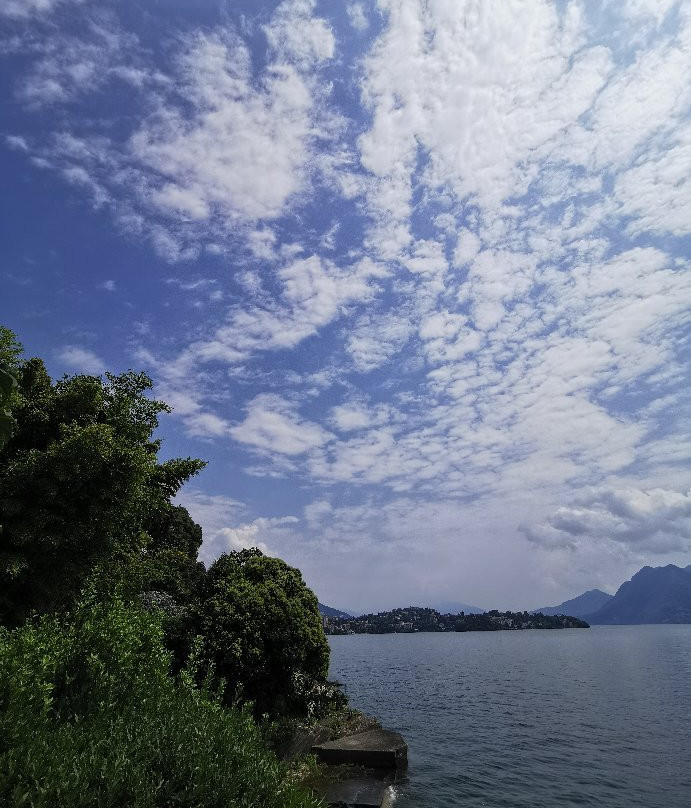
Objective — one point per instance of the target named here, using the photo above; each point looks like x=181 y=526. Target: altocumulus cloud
x=432 y=264
x=272 y=425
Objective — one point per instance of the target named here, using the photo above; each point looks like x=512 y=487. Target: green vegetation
x=79 y=484
x=129 y=674
x=90 y=717
x=9 y=351
x=259 y=621
x=415 y=618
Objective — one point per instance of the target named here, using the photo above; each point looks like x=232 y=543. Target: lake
x=514 y=719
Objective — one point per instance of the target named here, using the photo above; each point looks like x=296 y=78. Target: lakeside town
x=417 y=619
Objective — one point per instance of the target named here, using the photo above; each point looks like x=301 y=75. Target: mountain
x=329 y=611
x=454 y=607
x=653 y=595
x=443 y=607
x=584 y=604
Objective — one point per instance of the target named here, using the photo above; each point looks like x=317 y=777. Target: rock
x=377 y=748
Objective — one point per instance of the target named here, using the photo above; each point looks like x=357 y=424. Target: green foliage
x=170 y=564
x=416 y=618
x=86 y=507
x=8 y=385
x=90 y=717
x=9 y=351
x=80 y=486
x=262 y=632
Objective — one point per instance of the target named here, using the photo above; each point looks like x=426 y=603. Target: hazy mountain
x=653 y=595
x=584 y=604
x=442 y=606
x=454 y=607
x=329 y=611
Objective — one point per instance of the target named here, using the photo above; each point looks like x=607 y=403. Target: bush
x=90 y=717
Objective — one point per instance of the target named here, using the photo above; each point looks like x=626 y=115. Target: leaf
x=8 y=382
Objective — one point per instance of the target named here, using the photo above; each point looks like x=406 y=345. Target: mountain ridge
x=587 y=603
x=329 y=611
x=652 y=595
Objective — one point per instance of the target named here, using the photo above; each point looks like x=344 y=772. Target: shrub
x=90 y=717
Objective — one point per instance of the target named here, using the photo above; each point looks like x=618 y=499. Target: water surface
x=514 y=719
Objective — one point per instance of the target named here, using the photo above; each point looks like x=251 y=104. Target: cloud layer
x=434 y=261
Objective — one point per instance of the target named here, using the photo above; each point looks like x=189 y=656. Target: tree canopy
x=9 y=351
x=262 y=631
x=81 y=487
x=85 y=506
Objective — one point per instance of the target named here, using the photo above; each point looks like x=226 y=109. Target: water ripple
x=532 y=719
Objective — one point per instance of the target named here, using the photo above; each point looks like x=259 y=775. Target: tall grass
x=89 y=716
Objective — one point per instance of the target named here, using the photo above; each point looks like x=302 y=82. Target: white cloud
x=350 y=417
x=81 y=360
x=467 y=247
x=273 y=425
x=313 y=293
x=206 y=424
x=655 y=192
x=220 y=150
x=22 y=9
x=448 y=336
x=212 y=512
x=656 y=521
x=645 y=10
x=17 y=142
x=375 y=338
x=521 y=183
x=530 y=334
x=356 y=415
x=644 y=100
x=483 y=90
x=243 y=537
x=216 y=514
x=296 y=36
x=357 y=16
x=69 y=66
x=199 y=420
x=225 y=526
x=243 y=153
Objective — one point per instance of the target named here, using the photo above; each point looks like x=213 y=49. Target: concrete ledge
x=359 y=793
x=377 y=749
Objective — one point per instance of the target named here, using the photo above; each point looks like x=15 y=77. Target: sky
x=414 y=276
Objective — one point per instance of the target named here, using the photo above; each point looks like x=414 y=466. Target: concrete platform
x=359 y=793
x=377 y=749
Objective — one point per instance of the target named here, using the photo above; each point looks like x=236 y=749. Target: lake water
x=514 y=719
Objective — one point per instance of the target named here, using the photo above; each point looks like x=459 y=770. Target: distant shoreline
x=417 y=620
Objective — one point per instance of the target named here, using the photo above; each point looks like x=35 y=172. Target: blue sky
x=414 y=276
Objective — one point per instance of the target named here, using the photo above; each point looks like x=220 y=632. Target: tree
x=262 y=632
x=9 y=351
x=86 y=506
x=170 y=562
x=80 y=484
